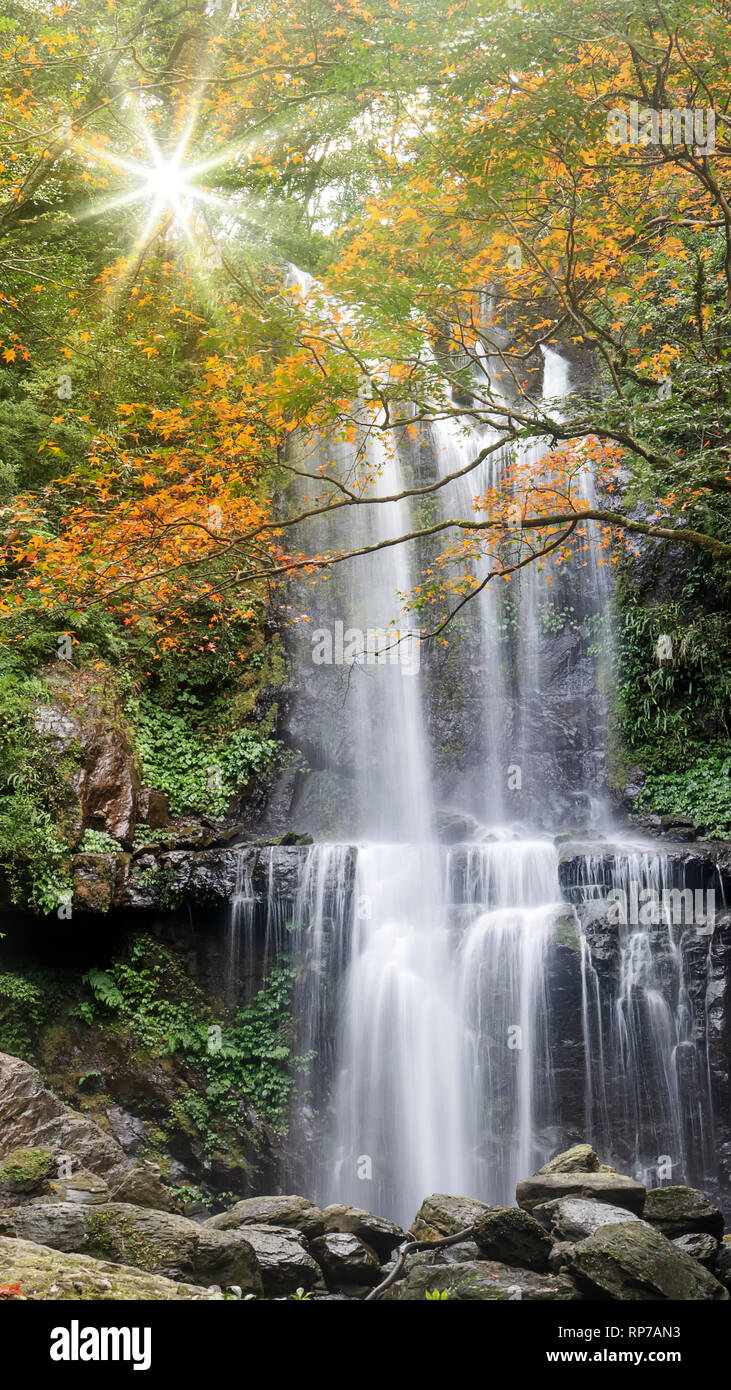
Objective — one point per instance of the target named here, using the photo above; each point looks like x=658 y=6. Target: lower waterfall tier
x=464 y=1010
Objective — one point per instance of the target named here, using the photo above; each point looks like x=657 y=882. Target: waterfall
x=645 y=1041
x=427 y=924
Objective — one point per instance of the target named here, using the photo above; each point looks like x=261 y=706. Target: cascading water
x=424 y=1002
x=645 y=1035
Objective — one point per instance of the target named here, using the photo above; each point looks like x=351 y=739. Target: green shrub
x=33 y=856
x=702 y=791
x=27 y=1002
x=98 y=842
x=198 y=777
x=251 y=1058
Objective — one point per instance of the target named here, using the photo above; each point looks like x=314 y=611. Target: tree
x=463 y=188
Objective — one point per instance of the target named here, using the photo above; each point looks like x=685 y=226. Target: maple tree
x=448 y=179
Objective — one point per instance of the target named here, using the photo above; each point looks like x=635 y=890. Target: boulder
x=633 y=1261
x=480 y=1281
x=702 y=1246
x=284 y=1260
x=24 y=1170
x=345 y=1259
x=155 y=1241
x=383 y=1236
x=86 y=1189
x=296 y=1212
x=576 y=1218
x=454 y=827
x=579 y=1159
x=600 y=1187
x=143 y=1187
x=462 y=1253
x=48 y=1275
x=59 y=1225
x=32 y=1116
x=514 y=1238
x=723 y=1262
x=441 y=1215
x=680 y=1211
x=560 y=1255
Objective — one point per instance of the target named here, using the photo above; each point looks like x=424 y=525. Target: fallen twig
x=409 y=1248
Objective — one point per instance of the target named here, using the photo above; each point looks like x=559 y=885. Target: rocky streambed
x=80 y=1221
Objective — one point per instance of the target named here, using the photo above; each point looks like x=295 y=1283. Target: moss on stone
x=24 y=1169
x=113 y=1235
x=565 y=933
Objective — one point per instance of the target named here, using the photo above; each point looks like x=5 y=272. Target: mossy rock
x=480 y=1281
x=680 y=1210
x=155 y=1242
x=25 y=1170
x=514 y=1238
x=53 y=1275
x=444 y=1215
x=633 y=1262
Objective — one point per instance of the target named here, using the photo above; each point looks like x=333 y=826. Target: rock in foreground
x=284 y=1260
x=599 y=1187
x=577 y=1218
x=512 y=1236
x=383 y=1236
x=51 y=1275
x=635 y=1262
x=156 y=1241
x=442 y=1215
x=680 y=1211
x=480 y=1281
x=345 y=1259
x=297 y=1212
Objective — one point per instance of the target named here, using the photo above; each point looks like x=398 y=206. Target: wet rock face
x=718 y=1015
x=153 y=808
x=82 y=717
x=108 y=784
x=98 y=880
x=701 y=1246
x=198 y=875
x=706 y=967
